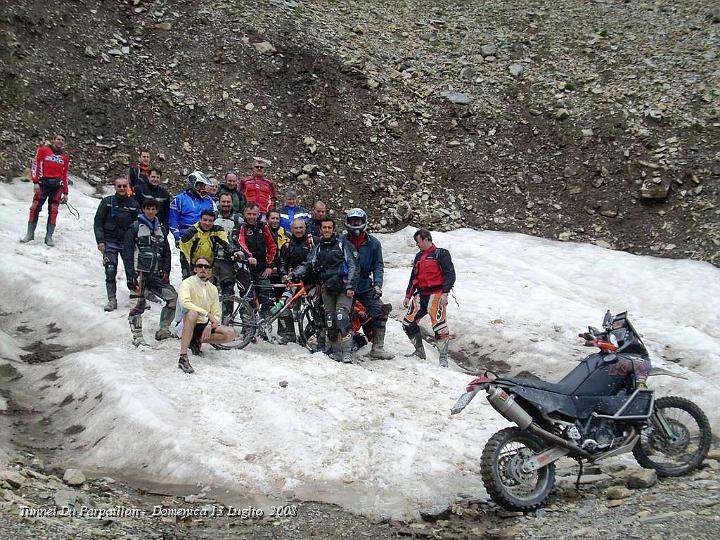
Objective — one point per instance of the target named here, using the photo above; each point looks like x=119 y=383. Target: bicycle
x=248 y=323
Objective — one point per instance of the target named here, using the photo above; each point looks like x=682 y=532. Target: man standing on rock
x=50 y=182
x=147 y=268
x=201 y=322
x=114 y=216
x=431 y=279
x=259 y=189
x=139 y=173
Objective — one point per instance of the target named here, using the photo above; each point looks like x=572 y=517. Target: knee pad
x=110 y=271
x=411 y=329
x=329 y=320
x=343 y=321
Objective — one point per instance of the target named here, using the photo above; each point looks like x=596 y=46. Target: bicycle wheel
x=307 y=335
x=243 y=322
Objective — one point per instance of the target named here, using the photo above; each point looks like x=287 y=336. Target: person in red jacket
x=50 y=182
x=432 y=278
x=259 y=189
x=256 y=241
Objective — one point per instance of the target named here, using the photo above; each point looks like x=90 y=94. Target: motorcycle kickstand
x=577 y=481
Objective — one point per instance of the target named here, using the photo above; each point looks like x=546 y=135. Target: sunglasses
x=203 y=266
x=259 y=167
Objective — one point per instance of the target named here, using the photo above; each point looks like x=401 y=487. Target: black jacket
x=136 y=177
x=146 y=249
x=160 y=195
x=293 y=254
x=114 y=217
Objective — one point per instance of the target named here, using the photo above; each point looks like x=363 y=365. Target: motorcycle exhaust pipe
x=505 y=404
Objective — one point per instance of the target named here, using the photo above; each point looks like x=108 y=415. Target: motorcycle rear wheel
x=500 y=468
x=686 y=449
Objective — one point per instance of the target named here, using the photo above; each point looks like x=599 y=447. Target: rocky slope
x=585 y=120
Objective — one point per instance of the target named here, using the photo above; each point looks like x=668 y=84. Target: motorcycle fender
x=464 y=400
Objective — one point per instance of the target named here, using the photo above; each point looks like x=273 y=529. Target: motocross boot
x=49 y=235
x=30 y=235
x=166 y=317
x=112 y=299
x=378 y=347
x=346 y=352
x=419 y=351
x=136 y=329
x=442 y=345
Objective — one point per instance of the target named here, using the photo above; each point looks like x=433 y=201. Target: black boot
x=112 y=299
x=49 y=234
x=30 y=235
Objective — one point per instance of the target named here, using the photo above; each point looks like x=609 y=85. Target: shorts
x=198 y=331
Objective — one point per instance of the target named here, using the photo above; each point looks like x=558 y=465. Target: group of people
x=240 y=219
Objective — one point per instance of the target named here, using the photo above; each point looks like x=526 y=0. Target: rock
x=617 y=492
x=456 y=97
x=13 y=478
x=310 y=168
x=603 y=244
x=516 y=70
x=561 y=114
x=655 y=190
x=187 y=146
x=74 y=477
x=609 y=212
x=714 y=453
x=283 y=384
x=115 y=52
x=641 y=478
x=249 y=106
x=488 y=50
x=65 y=497
x=468 y=72
x=586 y=132
x=264 y=47
x=564 y=236
x=163 y=26
x=714 y=15
x=90 y=52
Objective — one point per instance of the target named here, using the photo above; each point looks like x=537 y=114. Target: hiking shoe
x=163 y=333
x=184 y=364
x=195 y=348
x=139 y=342
x=111 y=304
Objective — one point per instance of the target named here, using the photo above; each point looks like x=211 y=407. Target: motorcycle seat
x=564 y=387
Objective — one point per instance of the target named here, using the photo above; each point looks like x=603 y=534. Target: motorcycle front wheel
x=676 y=439
x=501 y=467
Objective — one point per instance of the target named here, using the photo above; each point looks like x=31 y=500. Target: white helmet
x=356 y=230
x=197 y=177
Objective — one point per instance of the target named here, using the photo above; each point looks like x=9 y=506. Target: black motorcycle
x=602 y=408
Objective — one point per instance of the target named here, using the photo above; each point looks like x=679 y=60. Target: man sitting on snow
x=201 y=323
